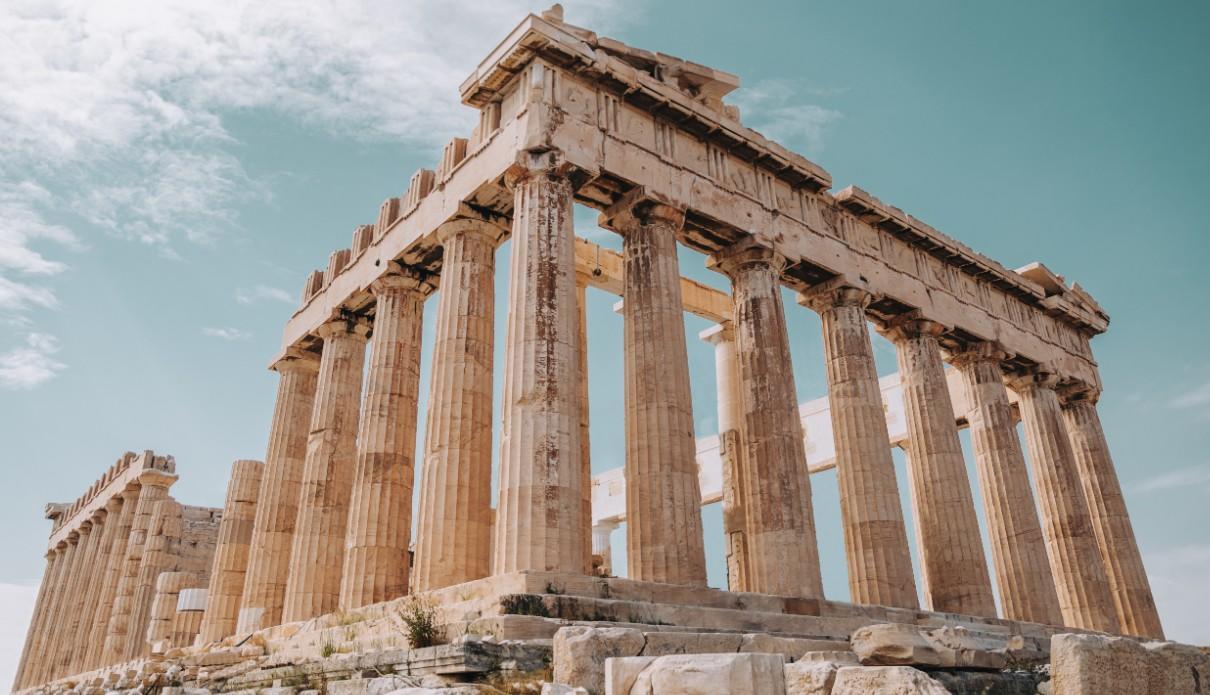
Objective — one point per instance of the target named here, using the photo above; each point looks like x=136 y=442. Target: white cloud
x=1197 y=399
x=1178 y=581
x=31 y=364
x=1182 y=478
x=264 y=292
x=16 y=609
x=226 y=333
x=775 y=108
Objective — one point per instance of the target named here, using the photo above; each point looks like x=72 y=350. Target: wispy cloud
x=1183 y=478
x=1178 y=580
x=776 y=108
x=26 y=366
x=264 y=292
x=1196 y=399
x=226 y=333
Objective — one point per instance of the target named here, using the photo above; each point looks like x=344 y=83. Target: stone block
x=1087 y=664
x=621 y=672
x=894 y=644
x=815 y=673
x=885 y=680
x=791 y=647
x=580 y=654
x=705 y=674
x=664 y=643
x=561 y=689
x=990 y=682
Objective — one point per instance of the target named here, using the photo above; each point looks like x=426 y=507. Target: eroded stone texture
x=663 y=497
x=90 y=539
x=580 y=653
x=277 y=510
x=48 y=660
x=889 y=680
x=37 y=620
x=163 y=608
x=1075 y=561
x=1102 y=665
x=107 y=595
x=317 y=555
x=108 y=519
x=585 y=441
x=1027 y=587
x=380 y=510
x=1132 y=598
x=163 y=537
x=694 y=674
x=453 y=538
x=732 y=452
x=230 y=556
x=538 y=517
x=876 y=547
x=782 y=551
x=951 y=548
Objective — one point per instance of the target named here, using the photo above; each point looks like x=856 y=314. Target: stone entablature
x=118 y=477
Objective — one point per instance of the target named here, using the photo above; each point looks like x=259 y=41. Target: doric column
x=281 y=482
x=154 y=488
x=602 y=545
x=168 y=587
x=317 y=556
x=1084 y=596
x=1027 y=587
x=190 y=609
x=453 y=539
x=782 y=550
x=230 y=555
x=36 y=620
x=59 y=634
x=731 y=451
x=875 y=536
x=40 y=665
x=540 y=513
x=108 y=520
x=1134 y=604
x=90 y=545
x=585 y=441
x=663 y=497
x=163 y=541
x=380 y=508
x=951 y=547
x=107 y=592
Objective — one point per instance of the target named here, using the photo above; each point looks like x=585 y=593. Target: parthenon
x=324 y=526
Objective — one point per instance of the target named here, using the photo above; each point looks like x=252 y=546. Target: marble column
x=107 y=593
x=1027 y=587
x=731 y=452
x=35 y=657
x=540 y=512
x=230 y=564
x=154 y=488
x=1083 y=589
x=109 y=520
x=40 y=666
x=1131 y=591
x=163 y=541
x=76 y=544
x=585 y=441
x=90 y=540
x=602 y=545
x=317 y=556
x=281 y=482
x=37 y=620
x=190 y=610
x=951 y=546
x=782 y=550
x=453 y=539
x=168 y=587
x=875 y=536
x=380 y=507
x=663 y=496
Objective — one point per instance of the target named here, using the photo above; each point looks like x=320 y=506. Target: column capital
x=156 y=478
x=746 y=252
x=401 y=278
x=115 y=502
x=982 y=351
x=639 y=207
x=1079 y=393
x=297 y=359
x=356 y=327
x=550 y=164
x=838 y=292
x=911 y=325
x=1037 y=377
x=469 y=226
x=719 y=333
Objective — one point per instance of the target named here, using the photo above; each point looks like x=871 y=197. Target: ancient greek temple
x=325 y=523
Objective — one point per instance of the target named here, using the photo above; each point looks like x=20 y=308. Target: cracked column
x=453 y=539
x=107 y=593
x=230 y=564
x=317 y=555
x=663 y=497
x=108 y=519
x=951 y=547
x=1075 y=561
x=1027 y=587
x=281 y=482
x=875 y=536
x=1132 y=598
x=731 y=451
x=37 y=621
x=163 y=541
x=540 y=512
x=782 y=550
x=380 y=508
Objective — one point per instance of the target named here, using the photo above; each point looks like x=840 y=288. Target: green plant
x=327 y=650
x=420 y=617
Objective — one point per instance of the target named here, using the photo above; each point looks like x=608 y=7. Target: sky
x=170 y=173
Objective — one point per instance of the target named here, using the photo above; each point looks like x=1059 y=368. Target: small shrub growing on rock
x=420 y=617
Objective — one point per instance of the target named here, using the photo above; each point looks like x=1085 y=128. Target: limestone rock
x=790 y=647
x=893 y=644
x=561 y=689
x=580 y=654
x=664 y=643
x=990 y=682
x=705 y=674
x=885 y=680
x=1087 y=664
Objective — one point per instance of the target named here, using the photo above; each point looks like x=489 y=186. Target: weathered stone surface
x=704 y=674
x=893 y=644
x=791 y=647
x=815 y=675
x=990 y=682
x=1102 y=665
x=885 y=680
x=580 y=654
x=663 y=643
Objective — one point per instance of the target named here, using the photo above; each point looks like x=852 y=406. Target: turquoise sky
x=169 y=177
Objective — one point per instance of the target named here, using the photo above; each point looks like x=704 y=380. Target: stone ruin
x=312 y=580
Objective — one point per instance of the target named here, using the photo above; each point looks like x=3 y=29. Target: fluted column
x=663 y=497
x=1084 y=596
x=875 y=536
x=317 y=556
x=731 y=451
x=230 y=555
x=782 y=550
x=107 y=593
x=36 y=620
x=1027 y=587
x=281 y=483
x=108 y=520
x=154 y=488
x=585 y=441
x=453 y=541
x=163 y=541
x=602 y=545
x=380 y=508
x=951 y=547
x=540 y=512
x=168 y=586
x=1132 y=598
x=76 y=544
x=91 y=535
x=190 y=610
x=35 y=659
